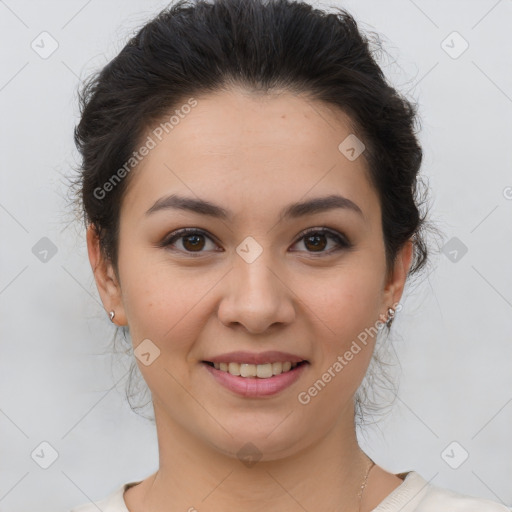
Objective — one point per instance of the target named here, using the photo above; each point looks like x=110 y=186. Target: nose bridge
x=253 y=270
x=256 y=298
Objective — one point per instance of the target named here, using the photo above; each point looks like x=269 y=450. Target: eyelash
x=341 y=241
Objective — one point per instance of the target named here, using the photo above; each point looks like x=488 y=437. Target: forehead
x=251 y=150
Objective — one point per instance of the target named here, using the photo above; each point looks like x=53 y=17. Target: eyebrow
x=292 y=211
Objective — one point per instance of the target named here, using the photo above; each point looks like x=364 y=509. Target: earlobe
x=104 y=275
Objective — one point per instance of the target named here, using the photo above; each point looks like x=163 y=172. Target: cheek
x=344 y=301
x=343 y=313
x=163 y=303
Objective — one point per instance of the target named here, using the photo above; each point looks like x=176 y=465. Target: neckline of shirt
x=410 y=489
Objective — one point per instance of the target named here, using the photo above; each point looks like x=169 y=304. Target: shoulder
x=114 y=502
x=439 y=498
x=415 y=494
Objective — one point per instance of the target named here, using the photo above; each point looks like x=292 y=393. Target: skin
x=254 y=155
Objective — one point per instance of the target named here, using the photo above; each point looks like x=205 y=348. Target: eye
x=192 y=240
x=315 y=238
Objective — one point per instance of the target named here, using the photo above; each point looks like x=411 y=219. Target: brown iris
x=197 y=242
x=318 y=246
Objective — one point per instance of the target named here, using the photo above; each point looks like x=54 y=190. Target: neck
x=194 y=475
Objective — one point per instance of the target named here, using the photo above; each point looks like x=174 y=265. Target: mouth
x=255 y=381
x=259 y=371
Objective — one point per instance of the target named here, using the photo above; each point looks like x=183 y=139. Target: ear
x=396 y=281
x=106 y=281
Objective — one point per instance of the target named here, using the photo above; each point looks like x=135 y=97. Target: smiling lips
x=256 y=374
x=249 y=364
x=255 y=387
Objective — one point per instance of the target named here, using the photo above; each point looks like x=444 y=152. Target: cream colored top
x=415 y=494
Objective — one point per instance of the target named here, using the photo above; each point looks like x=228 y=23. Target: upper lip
x=271 y=356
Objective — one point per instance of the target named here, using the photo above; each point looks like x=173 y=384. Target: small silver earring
x=111 y=314
x=391 y=315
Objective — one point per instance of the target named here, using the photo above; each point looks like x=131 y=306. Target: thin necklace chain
x=360 y=493
x=363 y=485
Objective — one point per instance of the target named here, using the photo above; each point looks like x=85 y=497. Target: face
x=252 y=280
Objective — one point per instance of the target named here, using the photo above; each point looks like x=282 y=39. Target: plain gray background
x=453 y=336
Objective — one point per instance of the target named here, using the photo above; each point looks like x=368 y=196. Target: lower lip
x=254 y=386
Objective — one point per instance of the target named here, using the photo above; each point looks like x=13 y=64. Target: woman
x=249 y=186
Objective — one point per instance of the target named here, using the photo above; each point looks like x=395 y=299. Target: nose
x=256 y=295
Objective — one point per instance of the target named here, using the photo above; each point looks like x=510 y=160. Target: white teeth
x=233 y=368
x=263 y=371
